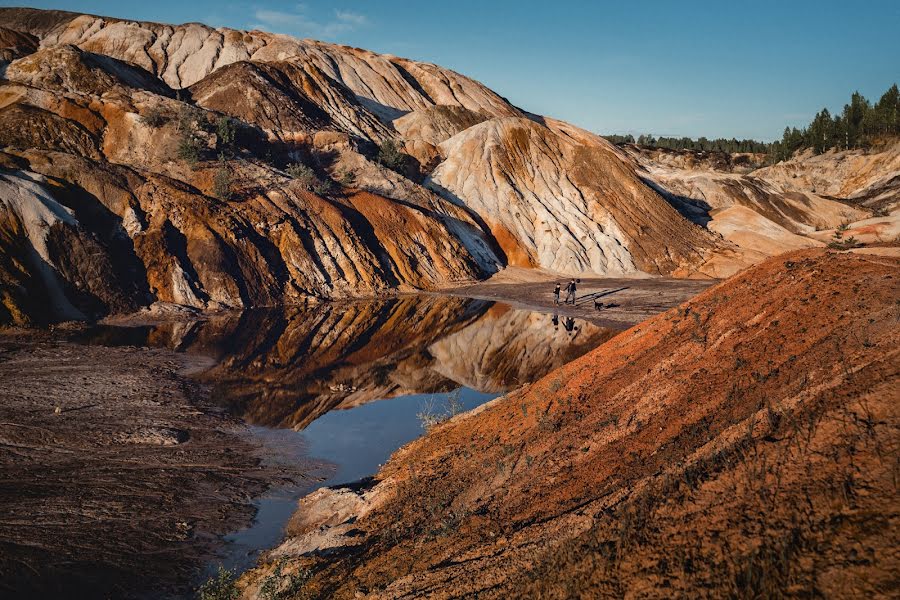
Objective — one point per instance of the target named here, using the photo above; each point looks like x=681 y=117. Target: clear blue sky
x=662 y=67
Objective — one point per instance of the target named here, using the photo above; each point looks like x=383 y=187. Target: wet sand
x=118 y=474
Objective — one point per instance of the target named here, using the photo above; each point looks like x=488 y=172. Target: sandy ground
x=625 y=301
x=116 y=472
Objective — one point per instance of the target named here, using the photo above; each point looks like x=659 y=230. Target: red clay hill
x=743 y=444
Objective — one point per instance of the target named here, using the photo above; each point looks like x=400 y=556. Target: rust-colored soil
x=744 y=444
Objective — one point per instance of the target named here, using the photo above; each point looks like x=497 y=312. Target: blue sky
x=667 y=68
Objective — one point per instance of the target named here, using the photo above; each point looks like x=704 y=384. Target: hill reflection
x=286 y=367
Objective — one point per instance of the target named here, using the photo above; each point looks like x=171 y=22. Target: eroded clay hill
x=794 y=204
x=100 y=214
x=566 y=206
x=166 y=157
x=743 y=444
x=109 y=137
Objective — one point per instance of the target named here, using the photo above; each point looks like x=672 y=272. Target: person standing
x=570 y=292
x=556 y=294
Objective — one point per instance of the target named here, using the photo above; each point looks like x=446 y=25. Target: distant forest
x=686 y=143
x=859 y=125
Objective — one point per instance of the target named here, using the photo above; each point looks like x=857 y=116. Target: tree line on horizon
x=686 y=143
x=859 y=125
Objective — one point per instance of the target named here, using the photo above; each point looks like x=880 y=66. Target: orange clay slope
x=744 y=444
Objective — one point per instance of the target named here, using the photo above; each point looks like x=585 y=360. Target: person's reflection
x=569 y=324
x=555 y=321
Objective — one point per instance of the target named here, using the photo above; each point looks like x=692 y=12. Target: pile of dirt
x=743 y=444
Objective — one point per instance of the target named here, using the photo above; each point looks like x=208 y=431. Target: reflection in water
x=319 y=369
x=287 y=367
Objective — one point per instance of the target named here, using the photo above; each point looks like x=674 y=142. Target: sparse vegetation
x=390 y=156
x=302 y=173
x=221 y=586
x=189 y=148
x=839 y=242
x=222 y=180
x=190 y=118
x=309 y=180
x=226 y=130
x=347 y=178
x=282 y=586
x=430 y=416
x=155 y=117
x=324 y=187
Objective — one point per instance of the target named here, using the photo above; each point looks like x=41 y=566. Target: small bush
x=347 y=179
x=279 y=586
x=430 y=417
x=189 y=148
x=226 y=130
x=187 y=118
x=838 y=242
x=390 y=156
x=219 y=587
x=222 y=181
x=191 y=118
x=324 y=188
x=155 y=117
x=305 y=175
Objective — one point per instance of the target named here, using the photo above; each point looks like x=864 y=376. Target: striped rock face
x=128 y=124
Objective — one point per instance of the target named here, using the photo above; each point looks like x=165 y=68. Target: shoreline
x=627 y=301
x=125 y=471
x=227 y=446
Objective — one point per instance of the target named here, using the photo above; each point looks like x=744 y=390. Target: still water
x=344 y=384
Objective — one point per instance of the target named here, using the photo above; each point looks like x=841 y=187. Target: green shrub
x=347 y=179
x=838 y=242
x=390 y=156
x=189 y=148
x=219 y=587
x=187 y=118
x=324 y=187
x=302 y=173
x=191 y=118
x=226 y=129
x=279 y=586
x=222 y=181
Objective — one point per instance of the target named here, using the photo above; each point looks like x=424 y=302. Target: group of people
x=570 y=291
x=568 y=323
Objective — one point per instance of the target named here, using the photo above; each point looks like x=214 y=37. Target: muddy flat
x=117 y=473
